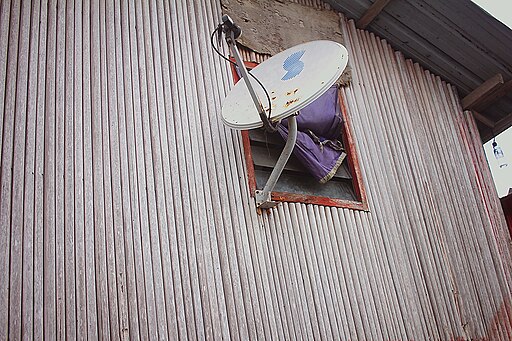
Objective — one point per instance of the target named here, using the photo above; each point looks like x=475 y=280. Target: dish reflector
x=293 y=78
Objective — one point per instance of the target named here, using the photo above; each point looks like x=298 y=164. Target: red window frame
x=353 y=162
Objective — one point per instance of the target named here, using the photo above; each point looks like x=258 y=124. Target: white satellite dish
x=293 y=78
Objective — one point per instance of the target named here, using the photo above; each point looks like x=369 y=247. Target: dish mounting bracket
x=263 y=197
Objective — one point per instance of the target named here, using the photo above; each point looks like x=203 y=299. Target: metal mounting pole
x=245 y=75
x=263 y=198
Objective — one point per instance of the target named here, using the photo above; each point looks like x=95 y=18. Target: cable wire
x=236 y=65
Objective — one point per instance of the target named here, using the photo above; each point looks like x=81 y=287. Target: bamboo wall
x=125 y=211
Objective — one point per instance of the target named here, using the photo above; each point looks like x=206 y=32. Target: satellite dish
x=293 y=78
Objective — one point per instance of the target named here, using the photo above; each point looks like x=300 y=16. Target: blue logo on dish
x=293 y=65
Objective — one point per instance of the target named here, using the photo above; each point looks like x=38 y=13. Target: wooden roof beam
x=503 y=124
x=493 y=97
x=498 y=127
x=371 y=13
x=483 y=119
x=479 y=94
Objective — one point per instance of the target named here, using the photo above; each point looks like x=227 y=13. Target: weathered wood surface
x=125 y=211
x=371 y=13
x=483 y=119
x=477 y=96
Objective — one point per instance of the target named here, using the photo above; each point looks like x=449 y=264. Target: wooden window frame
x=353 y=163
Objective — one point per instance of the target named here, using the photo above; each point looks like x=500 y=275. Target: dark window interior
x=295 y=178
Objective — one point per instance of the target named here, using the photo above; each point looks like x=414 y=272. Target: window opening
x=324 y=143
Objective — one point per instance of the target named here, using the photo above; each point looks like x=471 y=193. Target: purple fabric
x=318 y=145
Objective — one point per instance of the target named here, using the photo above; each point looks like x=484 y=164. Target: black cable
x=215 y=48
x=235 y=64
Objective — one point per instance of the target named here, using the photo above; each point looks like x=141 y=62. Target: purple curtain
x=318 y=145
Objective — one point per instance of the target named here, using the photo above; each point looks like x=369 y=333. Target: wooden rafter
x=493 y=97
x=479 y=94
x=483 y=119
x=503 y=124
x=371 y=13
x=498 y=127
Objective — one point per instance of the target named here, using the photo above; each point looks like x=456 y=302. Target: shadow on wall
x=506 y=204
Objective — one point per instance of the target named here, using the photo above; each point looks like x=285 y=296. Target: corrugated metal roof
x=455 y=39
